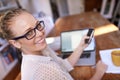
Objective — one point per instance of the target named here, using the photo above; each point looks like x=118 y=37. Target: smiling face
x=21 y=25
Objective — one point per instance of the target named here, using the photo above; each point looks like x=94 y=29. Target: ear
x=15 y=43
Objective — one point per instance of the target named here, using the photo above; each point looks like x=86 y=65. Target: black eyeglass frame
x=36 y=27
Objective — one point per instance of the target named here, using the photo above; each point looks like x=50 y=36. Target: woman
x=39 y=62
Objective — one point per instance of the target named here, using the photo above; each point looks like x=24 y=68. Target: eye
x=30 y=33
x=39 y=27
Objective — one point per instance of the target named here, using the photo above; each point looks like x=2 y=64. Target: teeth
x=40 y=41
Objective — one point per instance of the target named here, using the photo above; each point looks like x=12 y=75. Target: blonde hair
x=6 y=19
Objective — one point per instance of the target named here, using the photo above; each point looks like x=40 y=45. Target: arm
x=74 y=57
x=100 y=70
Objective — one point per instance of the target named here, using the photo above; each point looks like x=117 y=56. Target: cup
x=116 y=57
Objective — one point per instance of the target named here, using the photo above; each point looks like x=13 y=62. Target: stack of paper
x=53 y=42
x=106 y=58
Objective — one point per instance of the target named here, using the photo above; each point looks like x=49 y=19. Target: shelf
x=7 y=4
x=3 y=46
x=7 y=7
x=8 y=68
x=7 y=62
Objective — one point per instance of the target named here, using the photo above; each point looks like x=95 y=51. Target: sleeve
x=46 y=72
x=63 y=62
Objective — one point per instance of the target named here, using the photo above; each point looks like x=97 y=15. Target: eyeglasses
x=32 y=33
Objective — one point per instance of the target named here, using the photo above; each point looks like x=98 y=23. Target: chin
x=42 y=47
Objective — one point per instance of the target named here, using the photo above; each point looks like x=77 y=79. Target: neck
x=32 y=53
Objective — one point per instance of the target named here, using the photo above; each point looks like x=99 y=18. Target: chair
x=116 y=15
x=18 y=77
x=105 y=6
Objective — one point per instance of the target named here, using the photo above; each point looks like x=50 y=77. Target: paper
x=106 y=58
x=53 y=42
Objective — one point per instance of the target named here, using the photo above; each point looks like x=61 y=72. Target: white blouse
x=48 y=67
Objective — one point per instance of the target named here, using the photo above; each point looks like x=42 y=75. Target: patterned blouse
x=47 y=67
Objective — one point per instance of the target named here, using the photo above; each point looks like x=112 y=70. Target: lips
x=40 y=41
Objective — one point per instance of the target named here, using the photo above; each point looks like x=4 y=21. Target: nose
x=39 y=33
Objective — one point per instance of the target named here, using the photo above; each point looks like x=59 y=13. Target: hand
x=82 y=44
x=101 y=67
x=100 y=70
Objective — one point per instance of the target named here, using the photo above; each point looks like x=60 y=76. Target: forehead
x=21 y=23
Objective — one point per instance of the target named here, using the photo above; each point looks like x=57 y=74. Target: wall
x=91 y=5
x=35 y=6
x=75 y=6
x=70 y=7
x=62 y=7
x=65 y=7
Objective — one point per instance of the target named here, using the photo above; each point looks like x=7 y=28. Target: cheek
x=26 y=43
x=31 y=45
x=43 y=32
x=27 y=46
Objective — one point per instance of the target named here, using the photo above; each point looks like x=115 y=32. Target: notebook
x=71 y=39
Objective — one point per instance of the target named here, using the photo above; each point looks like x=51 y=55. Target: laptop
x=71 y=39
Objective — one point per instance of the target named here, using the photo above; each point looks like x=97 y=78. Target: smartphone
x=90 y=34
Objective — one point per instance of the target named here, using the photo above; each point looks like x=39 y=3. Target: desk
x=107 y=36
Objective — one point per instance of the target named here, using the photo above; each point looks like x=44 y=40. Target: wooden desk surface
x=107 y=36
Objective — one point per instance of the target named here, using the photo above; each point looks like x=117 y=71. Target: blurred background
x=50 y=11
x=59 y=8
